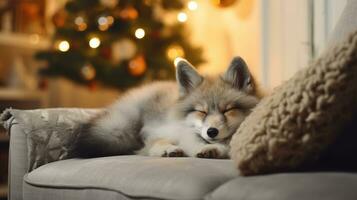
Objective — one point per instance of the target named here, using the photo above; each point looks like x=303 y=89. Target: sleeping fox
x=196 y=116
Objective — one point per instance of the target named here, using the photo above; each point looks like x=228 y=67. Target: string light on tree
x=110 y=20
x=174 y=51
x=94 y=42
x=63 y=45
x=139 y=33
x=78 y=20
x=81 y=24
x=116 y=41
x=182 y=17
x=88 y=72
x=103 y=23
x=192 y=5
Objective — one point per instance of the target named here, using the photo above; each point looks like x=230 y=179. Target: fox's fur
x=172 y=119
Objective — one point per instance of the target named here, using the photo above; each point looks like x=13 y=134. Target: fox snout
x=212 y=132
x=214 y=127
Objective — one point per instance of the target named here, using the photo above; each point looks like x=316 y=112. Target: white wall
x=286 y=44
x=326 y=15
x=293 y=33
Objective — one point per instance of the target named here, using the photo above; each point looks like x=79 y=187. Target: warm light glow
x=82 y=27
x=94 y=42
x=102 y=21
x=139 y=33
x=79 y=20
x=103 y=27
x=110 y=19
x=88 y=72
x=63 y=46
x=192 y=5
x=182 y=17
x=175 y=51
x=105 y=22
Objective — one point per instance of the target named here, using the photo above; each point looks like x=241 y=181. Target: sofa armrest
x=18 y=161
x=38 y=137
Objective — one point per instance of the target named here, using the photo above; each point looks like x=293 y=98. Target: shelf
x=24 y=41
x=20 y=94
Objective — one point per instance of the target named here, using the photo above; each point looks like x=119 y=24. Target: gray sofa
x=37 y=145
x=133 y=177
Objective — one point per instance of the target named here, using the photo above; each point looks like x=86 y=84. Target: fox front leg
x=164 y=148
x=194 y=146
x=213 y=151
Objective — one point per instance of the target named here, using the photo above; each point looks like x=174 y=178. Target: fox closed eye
x=200 y=111
x=230 y=109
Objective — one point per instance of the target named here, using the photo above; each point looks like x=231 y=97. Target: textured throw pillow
x=291 y=127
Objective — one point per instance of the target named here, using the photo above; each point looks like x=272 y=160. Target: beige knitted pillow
x=292 y=126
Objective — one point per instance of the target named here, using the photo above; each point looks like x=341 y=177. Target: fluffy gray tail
x=94 y=142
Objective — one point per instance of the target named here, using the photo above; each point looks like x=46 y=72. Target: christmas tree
x=119 y=42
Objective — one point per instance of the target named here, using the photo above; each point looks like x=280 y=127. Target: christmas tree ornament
x=174 y=51
x=223 y=3
x=109 y=3
x=140 y=33
x=59 y=18
x=123 y=49
x=137 y=66
x=63 y=45
x=88 y=72
x=129 y=13
x=192 y=5
x=94 y=42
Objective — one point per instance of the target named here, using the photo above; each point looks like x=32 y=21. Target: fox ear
x=238 y=75
x=186 y=75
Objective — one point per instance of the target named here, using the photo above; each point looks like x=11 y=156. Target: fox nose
x=212 y=132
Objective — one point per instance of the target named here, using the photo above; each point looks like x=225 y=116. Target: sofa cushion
x=134 y=176
x=307 y=186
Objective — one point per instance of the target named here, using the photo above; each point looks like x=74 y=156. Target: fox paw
x=213 y=151
x=173 y=152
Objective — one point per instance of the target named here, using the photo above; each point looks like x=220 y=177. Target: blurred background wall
x=275 y=37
